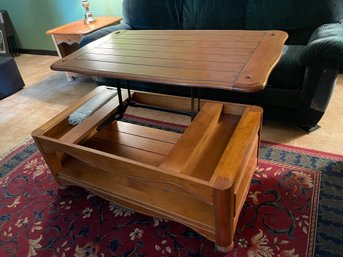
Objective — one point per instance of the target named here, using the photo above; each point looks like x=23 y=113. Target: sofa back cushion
x=153 y=14
x=292 y=14
x=214 y=14
x=297 y=17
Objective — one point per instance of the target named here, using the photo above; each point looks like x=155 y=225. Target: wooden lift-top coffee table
x=200 y=178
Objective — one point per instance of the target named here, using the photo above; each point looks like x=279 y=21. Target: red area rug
x=39 y=219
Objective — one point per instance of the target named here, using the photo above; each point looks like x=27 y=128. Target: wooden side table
x=67 y=37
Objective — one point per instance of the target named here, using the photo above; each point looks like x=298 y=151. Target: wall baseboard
x=38 y=52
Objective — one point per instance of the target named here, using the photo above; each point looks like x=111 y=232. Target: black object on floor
x=8 y=45
x=10 y=78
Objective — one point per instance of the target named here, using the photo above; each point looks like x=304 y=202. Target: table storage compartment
x=199 y=178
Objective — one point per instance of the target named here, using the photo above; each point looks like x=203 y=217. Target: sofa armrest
x=102 y=32
x=325 y=47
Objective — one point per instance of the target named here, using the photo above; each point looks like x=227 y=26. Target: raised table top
x=238 y=60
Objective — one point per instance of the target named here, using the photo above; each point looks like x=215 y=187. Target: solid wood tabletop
x=236 y=60
x=80 y=28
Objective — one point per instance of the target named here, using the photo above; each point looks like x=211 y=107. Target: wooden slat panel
x=131 y=153
x=191 y=35
x=152 y=133
x=263 y=52
x=237 y=55
x=189 y=77
x=182 y=46
x=193 y=139
x=142 y=143
x=195 y=33
x=163 y=42
x=188 y=37
x=160 y=62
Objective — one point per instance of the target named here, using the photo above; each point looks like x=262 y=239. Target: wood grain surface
x=227 y=59
x=80 y=28
x=199 y=178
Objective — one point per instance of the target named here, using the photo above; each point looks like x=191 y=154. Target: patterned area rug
x=278 y=219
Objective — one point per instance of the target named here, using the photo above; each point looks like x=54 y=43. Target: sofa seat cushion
x=288 y=73
x=152 y=14
x=204 y=14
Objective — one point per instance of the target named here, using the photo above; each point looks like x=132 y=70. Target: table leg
x=70 y=77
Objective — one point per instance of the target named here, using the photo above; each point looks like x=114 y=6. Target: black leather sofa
x=300 y=86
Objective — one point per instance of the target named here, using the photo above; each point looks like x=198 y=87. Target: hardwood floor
x=47 y=93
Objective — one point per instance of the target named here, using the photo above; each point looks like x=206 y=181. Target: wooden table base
x=199 y=178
